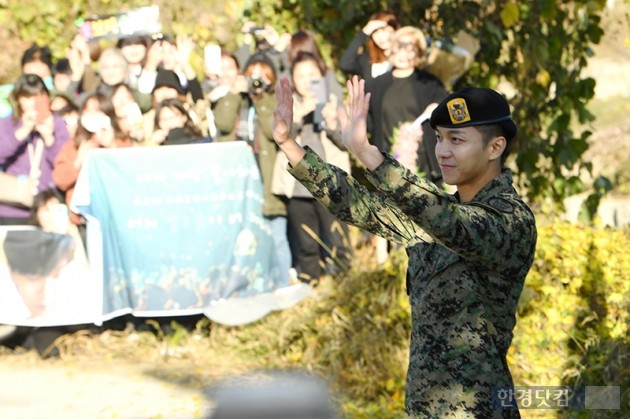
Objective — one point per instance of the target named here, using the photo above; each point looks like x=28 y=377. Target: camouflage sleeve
x=477 y=231
x=352 y=203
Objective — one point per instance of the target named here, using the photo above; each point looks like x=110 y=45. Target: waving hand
x=354 y=124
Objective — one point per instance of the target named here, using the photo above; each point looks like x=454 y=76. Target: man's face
x=463 y=158
x=33 y=289
x=113 y=70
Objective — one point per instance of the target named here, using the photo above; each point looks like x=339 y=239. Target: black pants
x=307 y=212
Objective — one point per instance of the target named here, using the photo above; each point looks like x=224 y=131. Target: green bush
x=574 y=311
x=572 y=326
x=353 y=332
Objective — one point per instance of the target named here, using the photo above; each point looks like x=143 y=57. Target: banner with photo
x=177 y=229
x=45 y=279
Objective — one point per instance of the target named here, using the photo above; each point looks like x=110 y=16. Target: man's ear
x=496 y=147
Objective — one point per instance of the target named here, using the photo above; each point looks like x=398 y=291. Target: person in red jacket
x=98 y=128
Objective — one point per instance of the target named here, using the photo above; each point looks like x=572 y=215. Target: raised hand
x=353 y=118
x=46 y=130
x=185 y=47
x=283 y=120
x=155 y=55
x=29 y=118
x=372 y=26
x=283 y=115
x=354 y=125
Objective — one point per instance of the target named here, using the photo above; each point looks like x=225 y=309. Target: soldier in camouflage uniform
x=468 y=253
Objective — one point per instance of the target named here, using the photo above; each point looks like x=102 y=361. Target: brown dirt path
x=32 y=388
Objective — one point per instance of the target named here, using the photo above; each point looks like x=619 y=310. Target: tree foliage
x=534 y=51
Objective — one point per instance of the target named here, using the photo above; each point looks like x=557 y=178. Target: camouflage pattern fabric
x=467 y=266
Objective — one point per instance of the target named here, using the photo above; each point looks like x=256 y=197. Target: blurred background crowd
x=140 y=90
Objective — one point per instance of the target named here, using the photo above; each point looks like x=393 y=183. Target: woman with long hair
x=173 y=125
x=368 y=53
x=304 y=41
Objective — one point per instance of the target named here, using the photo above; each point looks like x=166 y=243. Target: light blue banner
x=182 y=227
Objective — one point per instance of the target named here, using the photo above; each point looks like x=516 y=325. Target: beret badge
x=458 y=111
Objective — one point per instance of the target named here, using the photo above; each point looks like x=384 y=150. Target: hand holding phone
x=212 y=59
x=319 y=88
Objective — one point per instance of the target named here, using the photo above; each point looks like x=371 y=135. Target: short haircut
x=114 y=53
x=35 y=252
x=40 y=200
x=62 y=66
x=488 y=132
x=419 y=40
x=37 y=54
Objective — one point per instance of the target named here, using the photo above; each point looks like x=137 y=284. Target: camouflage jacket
x=467 y=265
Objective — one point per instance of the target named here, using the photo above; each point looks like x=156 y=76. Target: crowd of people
x=142 y=91
x=469 y=252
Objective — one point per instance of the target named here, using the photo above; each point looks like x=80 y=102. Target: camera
x=257 y=85
x=257 y=30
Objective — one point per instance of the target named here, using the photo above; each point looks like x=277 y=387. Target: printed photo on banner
x=142 y=21
x=45 y=279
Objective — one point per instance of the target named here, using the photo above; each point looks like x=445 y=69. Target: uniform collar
x=498 y=185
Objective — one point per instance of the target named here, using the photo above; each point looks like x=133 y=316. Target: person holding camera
x=265 y=40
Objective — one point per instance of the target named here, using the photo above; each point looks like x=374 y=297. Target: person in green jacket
x=468 y=252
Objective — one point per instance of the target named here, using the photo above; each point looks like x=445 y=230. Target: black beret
x=473 y=106
x=168 y=78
